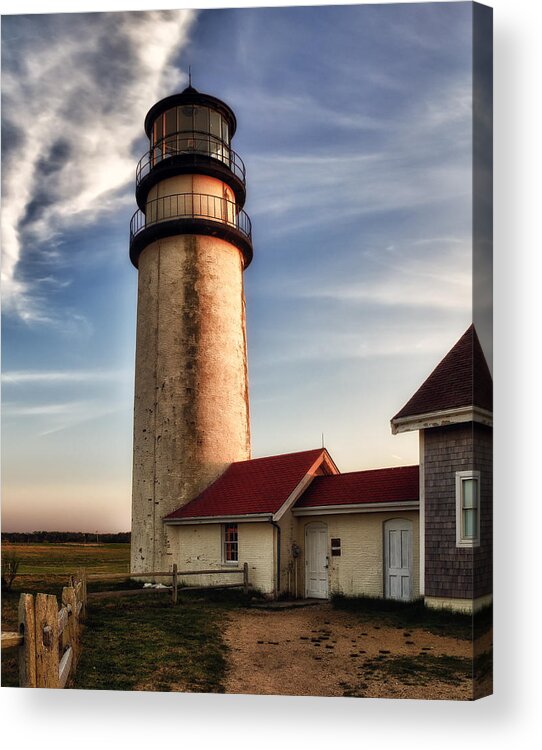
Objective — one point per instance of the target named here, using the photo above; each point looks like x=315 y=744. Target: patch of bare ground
x=320 y=651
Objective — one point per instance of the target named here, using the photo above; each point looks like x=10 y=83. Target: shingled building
x=453 y=412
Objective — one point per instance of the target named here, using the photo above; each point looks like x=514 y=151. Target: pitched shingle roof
x=462 y=378
x=260 y=485
x=374 y=486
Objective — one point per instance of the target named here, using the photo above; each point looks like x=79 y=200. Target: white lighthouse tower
x=190 y=241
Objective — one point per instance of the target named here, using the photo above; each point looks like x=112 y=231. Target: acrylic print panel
x=310 y=216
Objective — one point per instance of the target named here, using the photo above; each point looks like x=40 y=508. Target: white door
x=316 y=561
x=398 y=558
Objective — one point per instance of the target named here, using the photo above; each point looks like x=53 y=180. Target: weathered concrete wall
x=199 y=547
x=359 y=571
x=191 y=417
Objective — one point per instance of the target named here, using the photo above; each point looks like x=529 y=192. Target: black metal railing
x=182 y=143
x=191 y=206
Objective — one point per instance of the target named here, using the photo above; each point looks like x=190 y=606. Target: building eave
x=441 y=419
x=239 y=518
x=323 y=458
x=327 y=510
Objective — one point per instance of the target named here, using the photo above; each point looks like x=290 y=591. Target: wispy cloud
x=21 y=377
x=334 y=347
x=43 y=410
x=438 y=278
x=50 y=418
x=382 y=164
x=81 y=89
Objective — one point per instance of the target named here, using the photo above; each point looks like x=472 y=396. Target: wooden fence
x=174 y=574
x=48 y=638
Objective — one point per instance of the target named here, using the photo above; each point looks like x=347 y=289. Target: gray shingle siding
x=450 y=571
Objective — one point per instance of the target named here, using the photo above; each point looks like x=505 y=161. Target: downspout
x=275 y=524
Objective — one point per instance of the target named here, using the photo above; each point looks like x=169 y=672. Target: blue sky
x=355 y=127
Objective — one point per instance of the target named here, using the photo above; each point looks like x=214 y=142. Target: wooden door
x=316 y=561
x=398 y=559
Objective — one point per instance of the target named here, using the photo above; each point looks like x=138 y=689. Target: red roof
x=260 y=485
x=374 y=486
x=462 y=378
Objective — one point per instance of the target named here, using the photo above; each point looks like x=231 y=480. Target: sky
x=355 y=126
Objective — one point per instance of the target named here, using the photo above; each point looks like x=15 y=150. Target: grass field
x=126 y=644
x=146 y=643
x=43 y=559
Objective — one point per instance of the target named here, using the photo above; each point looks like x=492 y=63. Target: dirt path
x=322 y=651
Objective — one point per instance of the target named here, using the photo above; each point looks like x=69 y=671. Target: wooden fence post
x=245 y=578
x=71 y=631
x=47 y=660
x=174 y=588
x=82 y=577
x=85 y=593
x=27 y=651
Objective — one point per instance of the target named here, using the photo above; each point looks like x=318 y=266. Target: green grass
x=416 y=614
x=145 y=643
x=411 y=670
x=419 y=670
x=128 y=643
x=45 y=559
x=148 y=644
x=40 y=564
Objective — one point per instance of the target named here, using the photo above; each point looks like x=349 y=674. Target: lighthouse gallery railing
x=191 y=206
x=188 y=143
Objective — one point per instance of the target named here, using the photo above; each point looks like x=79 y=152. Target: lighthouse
x=190 y=241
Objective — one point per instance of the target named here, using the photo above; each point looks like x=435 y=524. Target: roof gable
x=255 y=486
x=461 y=379
x=398 y=484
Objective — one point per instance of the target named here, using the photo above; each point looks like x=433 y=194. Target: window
x=201 y=119
x=467 y=498
x=190 y=128
x=230 y=547
x=215 y=124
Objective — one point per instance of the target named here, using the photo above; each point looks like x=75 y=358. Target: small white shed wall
x=359 y=571
x=199 y=547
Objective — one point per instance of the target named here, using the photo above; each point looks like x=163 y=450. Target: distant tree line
x=80 y=537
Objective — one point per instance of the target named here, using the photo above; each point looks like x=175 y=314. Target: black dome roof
x=190 y=95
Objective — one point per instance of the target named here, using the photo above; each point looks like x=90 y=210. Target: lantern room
x=190 y=131
x=190 y=181
x=190 y=127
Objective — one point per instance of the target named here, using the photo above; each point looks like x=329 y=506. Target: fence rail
x=174 y=575
x=48 y=638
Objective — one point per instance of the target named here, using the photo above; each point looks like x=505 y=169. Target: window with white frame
x=467 y=498
x=230 y=543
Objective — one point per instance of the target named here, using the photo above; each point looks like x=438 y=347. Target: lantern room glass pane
x=225 y=132
x=184 y=118
x=171 y=121
x=201 y=119
x=185 y=143
x=215 y=124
